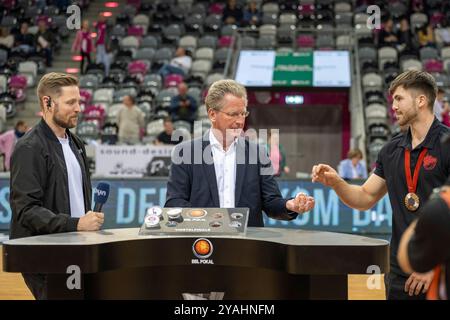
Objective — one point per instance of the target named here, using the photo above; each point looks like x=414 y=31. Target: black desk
x=268 y=263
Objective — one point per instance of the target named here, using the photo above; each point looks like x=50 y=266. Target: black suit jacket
x=192 y=180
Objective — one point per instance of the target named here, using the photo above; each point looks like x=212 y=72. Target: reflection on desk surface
x=296 y=237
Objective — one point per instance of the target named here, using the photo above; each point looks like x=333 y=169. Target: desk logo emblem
x=202 y=249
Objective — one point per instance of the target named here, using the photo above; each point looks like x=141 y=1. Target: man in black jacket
x=50 y=184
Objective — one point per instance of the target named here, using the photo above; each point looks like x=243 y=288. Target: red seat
x=173 y=80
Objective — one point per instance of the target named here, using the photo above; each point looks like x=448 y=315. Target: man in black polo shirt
x=408 y=168
x=425 y=245
x=165 y=137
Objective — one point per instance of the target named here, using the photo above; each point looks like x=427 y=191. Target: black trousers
x=395 y=288
x=84 y=56
x=37 y=283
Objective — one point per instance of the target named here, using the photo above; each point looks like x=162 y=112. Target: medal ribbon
x=412 y=182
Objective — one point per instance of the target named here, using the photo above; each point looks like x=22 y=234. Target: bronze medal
x=412 y=201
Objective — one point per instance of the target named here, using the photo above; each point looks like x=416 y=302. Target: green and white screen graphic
x=293 y=69
x=306 y=69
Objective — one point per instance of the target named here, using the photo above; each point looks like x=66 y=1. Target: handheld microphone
x=101 y=194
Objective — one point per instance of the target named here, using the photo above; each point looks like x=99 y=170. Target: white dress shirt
x=225 y=168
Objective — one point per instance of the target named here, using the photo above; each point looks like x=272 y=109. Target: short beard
x=409 y=117
x=60 y=122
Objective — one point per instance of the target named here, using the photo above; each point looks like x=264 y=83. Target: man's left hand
x=418 y=282
x=301 y=203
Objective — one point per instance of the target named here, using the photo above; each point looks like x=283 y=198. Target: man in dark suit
x=222 y=169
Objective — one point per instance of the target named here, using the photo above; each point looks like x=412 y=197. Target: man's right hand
x=418 y=283
x=326 y=175
x=91 y=221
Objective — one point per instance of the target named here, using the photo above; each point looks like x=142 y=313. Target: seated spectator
x=63 y=4
x=361 y=6
x=41 y=4
x=109 y=133
x=442 y=34
x=130 y=120
x=404 y=36
x=252 y=16
x=24 y=41
x=426 y=36
x=387 y=36
x=8 y=140
x=6 y=39
x=183 y=106
x=45 y=39
x=165 y=137
x=353 y=167
x=181 y=64
x=417 y=6
x=232 y=14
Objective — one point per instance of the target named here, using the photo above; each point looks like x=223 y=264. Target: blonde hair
x=51 y=84
x=219 y=89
